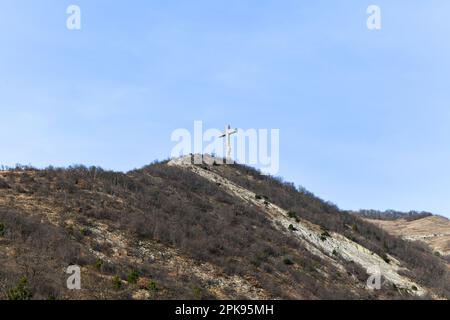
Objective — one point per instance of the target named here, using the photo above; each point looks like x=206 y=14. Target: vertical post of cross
x=227 y=135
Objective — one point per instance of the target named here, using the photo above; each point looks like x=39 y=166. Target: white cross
x=227 y=136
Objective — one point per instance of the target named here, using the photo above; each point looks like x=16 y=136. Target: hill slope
x=171 y=230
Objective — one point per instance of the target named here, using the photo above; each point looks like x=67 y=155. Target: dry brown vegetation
x=434 y=231
x=181 y=235
x=423 y=264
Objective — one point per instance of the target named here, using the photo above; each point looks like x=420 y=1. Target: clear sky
x=364 y=115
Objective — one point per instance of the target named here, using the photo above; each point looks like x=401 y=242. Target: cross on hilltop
x=227 y=136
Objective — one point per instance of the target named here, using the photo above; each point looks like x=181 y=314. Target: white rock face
x=326 y=247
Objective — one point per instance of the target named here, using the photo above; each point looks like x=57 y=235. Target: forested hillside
x=164 y=232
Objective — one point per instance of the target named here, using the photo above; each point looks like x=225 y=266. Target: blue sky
x=363 y=115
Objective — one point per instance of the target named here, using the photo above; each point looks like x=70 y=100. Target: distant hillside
x=172 y=230
x=434 y=231
x=392 y=214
